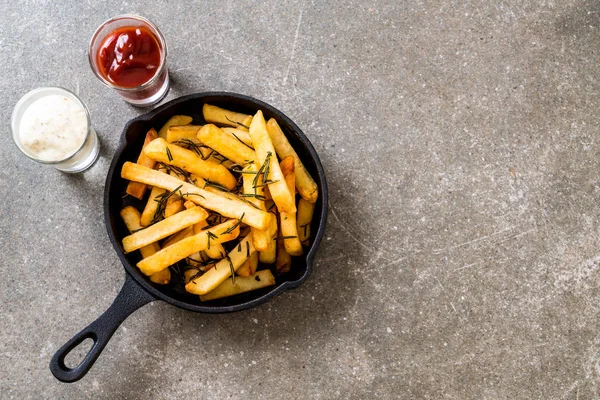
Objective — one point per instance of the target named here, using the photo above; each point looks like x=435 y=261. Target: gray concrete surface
x=461 y=261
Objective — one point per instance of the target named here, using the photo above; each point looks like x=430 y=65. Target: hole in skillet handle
x=131 y=297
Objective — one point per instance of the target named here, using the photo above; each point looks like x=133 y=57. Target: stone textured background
x=460 y=141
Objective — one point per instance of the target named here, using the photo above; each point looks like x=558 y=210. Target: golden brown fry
x=220 y=116
x=265 y=151
x=189 y=204
x=240 y=135
x=182 y=234
x=303 y=220
x=164 y=228
x=216 y=252
x=183 y=133
x=284 y=260
x=161 y=277
x=223 y=269
x=137 y=189
x=175 y=120
x=256 y=281
x=268 y=255
x=227 y=207
x=249 y=266
x=131 y=217
x=260 y=238
x=304 y=182
x=188 y=246
x=289 y=230
x=151 y=206
x=225 y=144
x=189 y=161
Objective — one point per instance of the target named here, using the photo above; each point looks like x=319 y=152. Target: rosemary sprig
x=221 y=158
x=169 y=155
x=285 y=237
x=232 y=268
x=256 y=196
x=195 y=147
x=266 y=183
x=162 y=203
x=235 y=122
x=250 y=203
x=179 y=171
x=241 y=141
x=210 y=236
x=217 y=186
x=232 y=228
x=305 y=227
x=268 y=166
x=191 y=194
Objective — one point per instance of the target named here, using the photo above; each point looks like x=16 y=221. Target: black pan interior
x=115 y=198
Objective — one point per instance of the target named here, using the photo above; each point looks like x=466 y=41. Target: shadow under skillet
x=310 y=315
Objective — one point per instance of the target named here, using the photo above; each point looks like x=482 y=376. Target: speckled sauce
x=53 y=128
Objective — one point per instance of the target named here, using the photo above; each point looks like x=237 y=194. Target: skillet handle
x=131 y=297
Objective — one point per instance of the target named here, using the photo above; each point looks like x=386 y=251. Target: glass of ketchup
x=129 y=54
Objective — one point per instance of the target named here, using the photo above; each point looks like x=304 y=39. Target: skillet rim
x=217 y=309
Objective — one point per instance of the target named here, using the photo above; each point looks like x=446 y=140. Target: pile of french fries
x=221 y=209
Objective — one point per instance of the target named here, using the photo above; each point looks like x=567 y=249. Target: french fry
x=131 y=217
x=189 y=204
x=227 y=207
x=225 y=144
x=187 y=160
x=303 y=220
x=304 y=182
x=216 y=252
x=217 y=115
x=250 y=176
x=240 y=135
x=164 y=228
x=178 y=251
x=151 y=206
x=137 y=189
x=268 y=255
x=191 y=273
x=223 y=269
x=175 y=120
x=284 y=260
x=256 y=281
x=249 y=266
x=268 y=160
x=183 y=133
x=182 y=234
x=186 y=136
x=289 y=229
x=162 y=277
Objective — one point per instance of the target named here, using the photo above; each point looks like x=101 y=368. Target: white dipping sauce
x=53 y=127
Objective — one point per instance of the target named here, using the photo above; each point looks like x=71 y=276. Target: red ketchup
x=129 y=56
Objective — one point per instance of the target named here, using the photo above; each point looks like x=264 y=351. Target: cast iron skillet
x=138 y=290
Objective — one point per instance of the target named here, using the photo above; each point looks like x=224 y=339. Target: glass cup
x=78 y=161
x=153 y=90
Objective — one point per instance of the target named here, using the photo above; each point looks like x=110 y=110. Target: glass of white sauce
x=51 y=125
